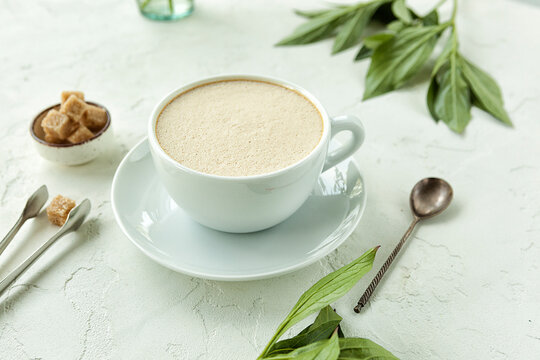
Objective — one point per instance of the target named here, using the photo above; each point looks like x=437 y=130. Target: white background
x=467 y=285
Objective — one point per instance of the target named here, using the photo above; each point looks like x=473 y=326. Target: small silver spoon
x=429 y=197
x=75 y=219
x=33 y=206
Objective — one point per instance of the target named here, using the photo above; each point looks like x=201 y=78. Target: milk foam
x=239 y=128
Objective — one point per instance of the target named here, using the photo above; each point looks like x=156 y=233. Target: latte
x=239 y=128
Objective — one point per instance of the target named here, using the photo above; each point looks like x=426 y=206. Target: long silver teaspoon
x=429 y=197
x=75 y=218
x=33 y=205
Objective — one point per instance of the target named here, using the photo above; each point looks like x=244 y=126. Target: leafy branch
x=401 y=50
x=323 y=339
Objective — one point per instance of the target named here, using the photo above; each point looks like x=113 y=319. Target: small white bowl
x=70 y=154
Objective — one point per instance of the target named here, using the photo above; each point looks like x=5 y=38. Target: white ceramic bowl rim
x=96 y=135
x=158 y=108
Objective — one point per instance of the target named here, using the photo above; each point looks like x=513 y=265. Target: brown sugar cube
x=74 y=108
x=58 y=210
x=94 y=118
x=66 y=94
x=80 y=135
x=53 y=139
x=58 y=125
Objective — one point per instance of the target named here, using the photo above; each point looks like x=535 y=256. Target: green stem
x=454 y=11
x=271 y=342
x=171 y=7
x=452 y=23
x=439 y=4
x=454 y=37
x=454 y=31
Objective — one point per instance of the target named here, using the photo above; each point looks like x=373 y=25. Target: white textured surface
x=466 y=286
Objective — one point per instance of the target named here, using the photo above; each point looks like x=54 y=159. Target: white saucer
x=161 y=229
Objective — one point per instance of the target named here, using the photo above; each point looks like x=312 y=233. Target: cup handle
x=344 y=123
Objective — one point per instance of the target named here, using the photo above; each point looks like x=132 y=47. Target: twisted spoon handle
x=373 y=285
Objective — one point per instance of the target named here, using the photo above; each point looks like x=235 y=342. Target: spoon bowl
x=36 y=202
x=430 y=197
x=76 y=217
x=32 y=208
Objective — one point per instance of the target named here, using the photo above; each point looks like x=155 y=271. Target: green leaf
x=323 y=327
x=453 y=100
x=432 y=18
x=401 y=11
x=449 y=96
x=396 y=26
x=443 y=57
x=317 y=28
x=320 y=350
x=371 y=43
x=374 y=41
x=327 y=314
x=363 y=53
x=486 y=92
x=362 y=349
x=431 y=94
x=352 y=30
x=397 y=60
x=321 y=33
x=324 y=292
x=311 y=14
x=340 y=333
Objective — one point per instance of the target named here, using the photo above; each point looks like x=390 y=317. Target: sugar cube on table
x=80 y=135
x=66 y=94
x=94 y=118
x=58 y=125
x=74 y=108
x=59 y=208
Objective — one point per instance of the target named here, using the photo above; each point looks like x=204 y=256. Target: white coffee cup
x=243 y=204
